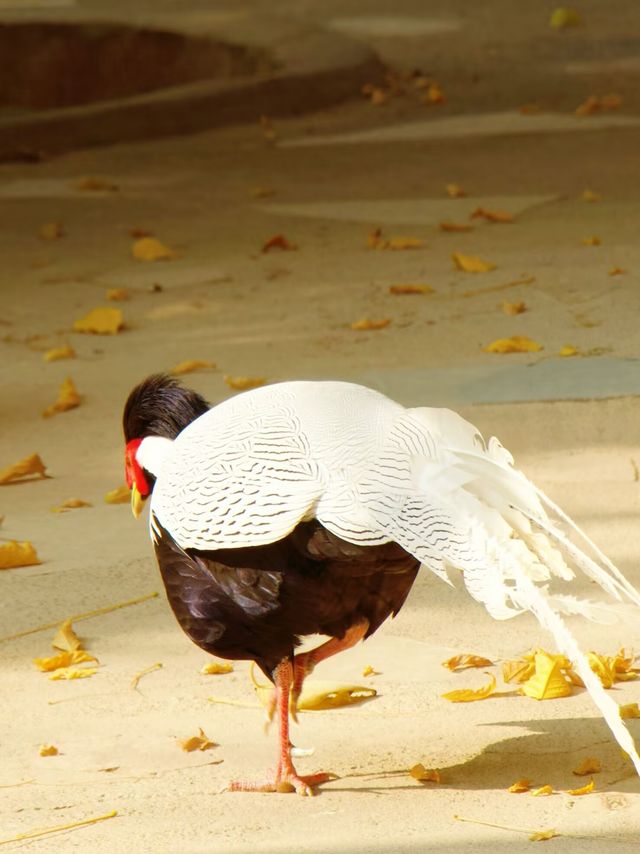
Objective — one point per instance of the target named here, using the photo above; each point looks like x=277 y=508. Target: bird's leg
x=286 y=778
x=304 y=662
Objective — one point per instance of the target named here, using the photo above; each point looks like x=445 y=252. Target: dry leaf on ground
x=589 y=196
x=100 y=321
x=590 y=765
x=51 y=231
x=14 y=554
x=548 y=681
x=492 y=216
x=425 y=775
x=48 y=750
x=214 y=668
x=518 y=669
x=68 y=398
x=630 y=710
x=471 y=263
x=446 y=225
x=542 y=791
x=243 y=383
x=72 y=673
x=467 y=659
x=597 y=104
x=592 y=240
x=617 y=271
x=118 y=294
x=31 y=465
x=375 y=240
x=469 y=695
x=543 y=835
x=454 y=191
x=151 y=249
x=278 y=241
x=405 y=290
x=58 y=353
x=433 y=95
x=583 y=790
x=513 y=308
x=66 y=639
x=515 y=344
x=367 y=324
x=119 y=495
x=63 y=659
x=564 y=17
x=569 y=350
x=70 y=504
x=368 y=670
x=520 y=786
x=196 y=742
x=190 y=365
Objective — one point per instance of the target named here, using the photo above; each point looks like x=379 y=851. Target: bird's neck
x=152 y=453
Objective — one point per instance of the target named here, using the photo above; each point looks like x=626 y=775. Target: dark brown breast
x=255 y=603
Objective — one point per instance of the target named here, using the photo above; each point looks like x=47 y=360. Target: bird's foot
x=284 y=783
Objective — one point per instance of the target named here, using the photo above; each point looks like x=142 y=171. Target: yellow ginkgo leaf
x=543 y=835
x=583 y=790
x=563 y=17
x=68 y=398
x=548 y=681
x=630 y=710
x=592 y=240
x=471 y=263
x=243 y=383
x=14 y=554
x=399 y=243
x=569 y=350
x=492 y=216
x=51 y=231
x=589 y=196
x=190 y=365
x=216 y=667
x=447 y=225
x=604 y=668
x=518 y=669
x=317 y=695
x=63 y=659
x=70 y=504
x=118 y=294
x=402 y=290
x=151 y=249
x=513 y=308
x=58 y=353
x=466 y=659
x=367 y=324
x=520 y=786
x=368 y=670
x=469 y=695
x=31 y=465
x=73 y=673
x=48 y=750
x=119 y=495
x=590 y=765
x=104 y=320
x=454 y=191
x=617 y=271
x=425 y=775
x=66 y=639
x=515 y=344
x=196 y=742
x=542 y=791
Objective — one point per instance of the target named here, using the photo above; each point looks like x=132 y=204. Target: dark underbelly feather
x=254 y=603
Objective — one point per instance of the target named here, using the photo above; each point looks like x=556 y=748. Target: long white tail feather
x=533 y=598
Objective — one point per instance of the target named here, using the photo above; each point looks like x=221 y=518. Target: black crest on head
x=160 y=406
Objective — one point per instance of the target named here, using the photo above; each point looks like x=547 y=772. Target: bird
x=309 y=507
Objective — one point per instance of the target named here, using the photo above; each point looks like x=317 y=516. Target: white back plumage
x=249 y=470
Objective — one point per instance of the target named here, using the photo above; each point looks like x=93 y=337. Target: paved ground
x=326 y=180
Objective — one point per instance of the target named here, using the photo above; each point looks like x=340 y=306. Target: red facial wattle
x=133 y=471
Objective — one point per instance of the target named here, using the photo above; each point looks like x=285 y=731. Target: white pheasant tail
x=371 y=471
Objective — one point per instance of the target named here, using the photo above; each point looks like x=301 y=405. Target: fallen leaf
x=190 y=365
x=563 y=17
x=590 y=765
x=243 y=383
x=542 y=791
x=591 y=241
x=72 y=673
x=454 y=191
x=529 y=109
x=31 y=465
x=118 y=294
x=100 y=321
x=366 y=324
x=68 y=398
x=151 y=249
x=446 y=225
x=51 y=231
x=402 y=290
x=63 y=659
x=548 y=681
x=14 y=554
x=583 y=790
x=471 y=263
x=543 y=835
x=469 y=695
x=278 y=241
x=317 y=696
x=492 y=216
x=629 y=710
x=119 y=495
x=459 y=662
x=70 y=504
x=214 y=668
x=140 y=232
x=589 y=196
x=66 y=639
x=96 y=185
x=48 y=750
x=520 y=786
x=516 y=344
x=518 y=669
x=374 y=238
x=196 y=742
x=569 y=350
x=376 y=95
x=425 y=775
x=604 y=668
x=399 y=243
x=57 y=353
x=513 y=308
x=596 y=104
x=433 y=95
x=617 y=271
x=370 y=671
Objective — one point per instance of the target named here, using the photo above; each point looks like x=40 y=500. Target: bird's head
x=156 y=411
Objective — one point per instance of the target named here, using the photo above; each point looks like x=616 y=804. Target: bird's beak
x=137 y=501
